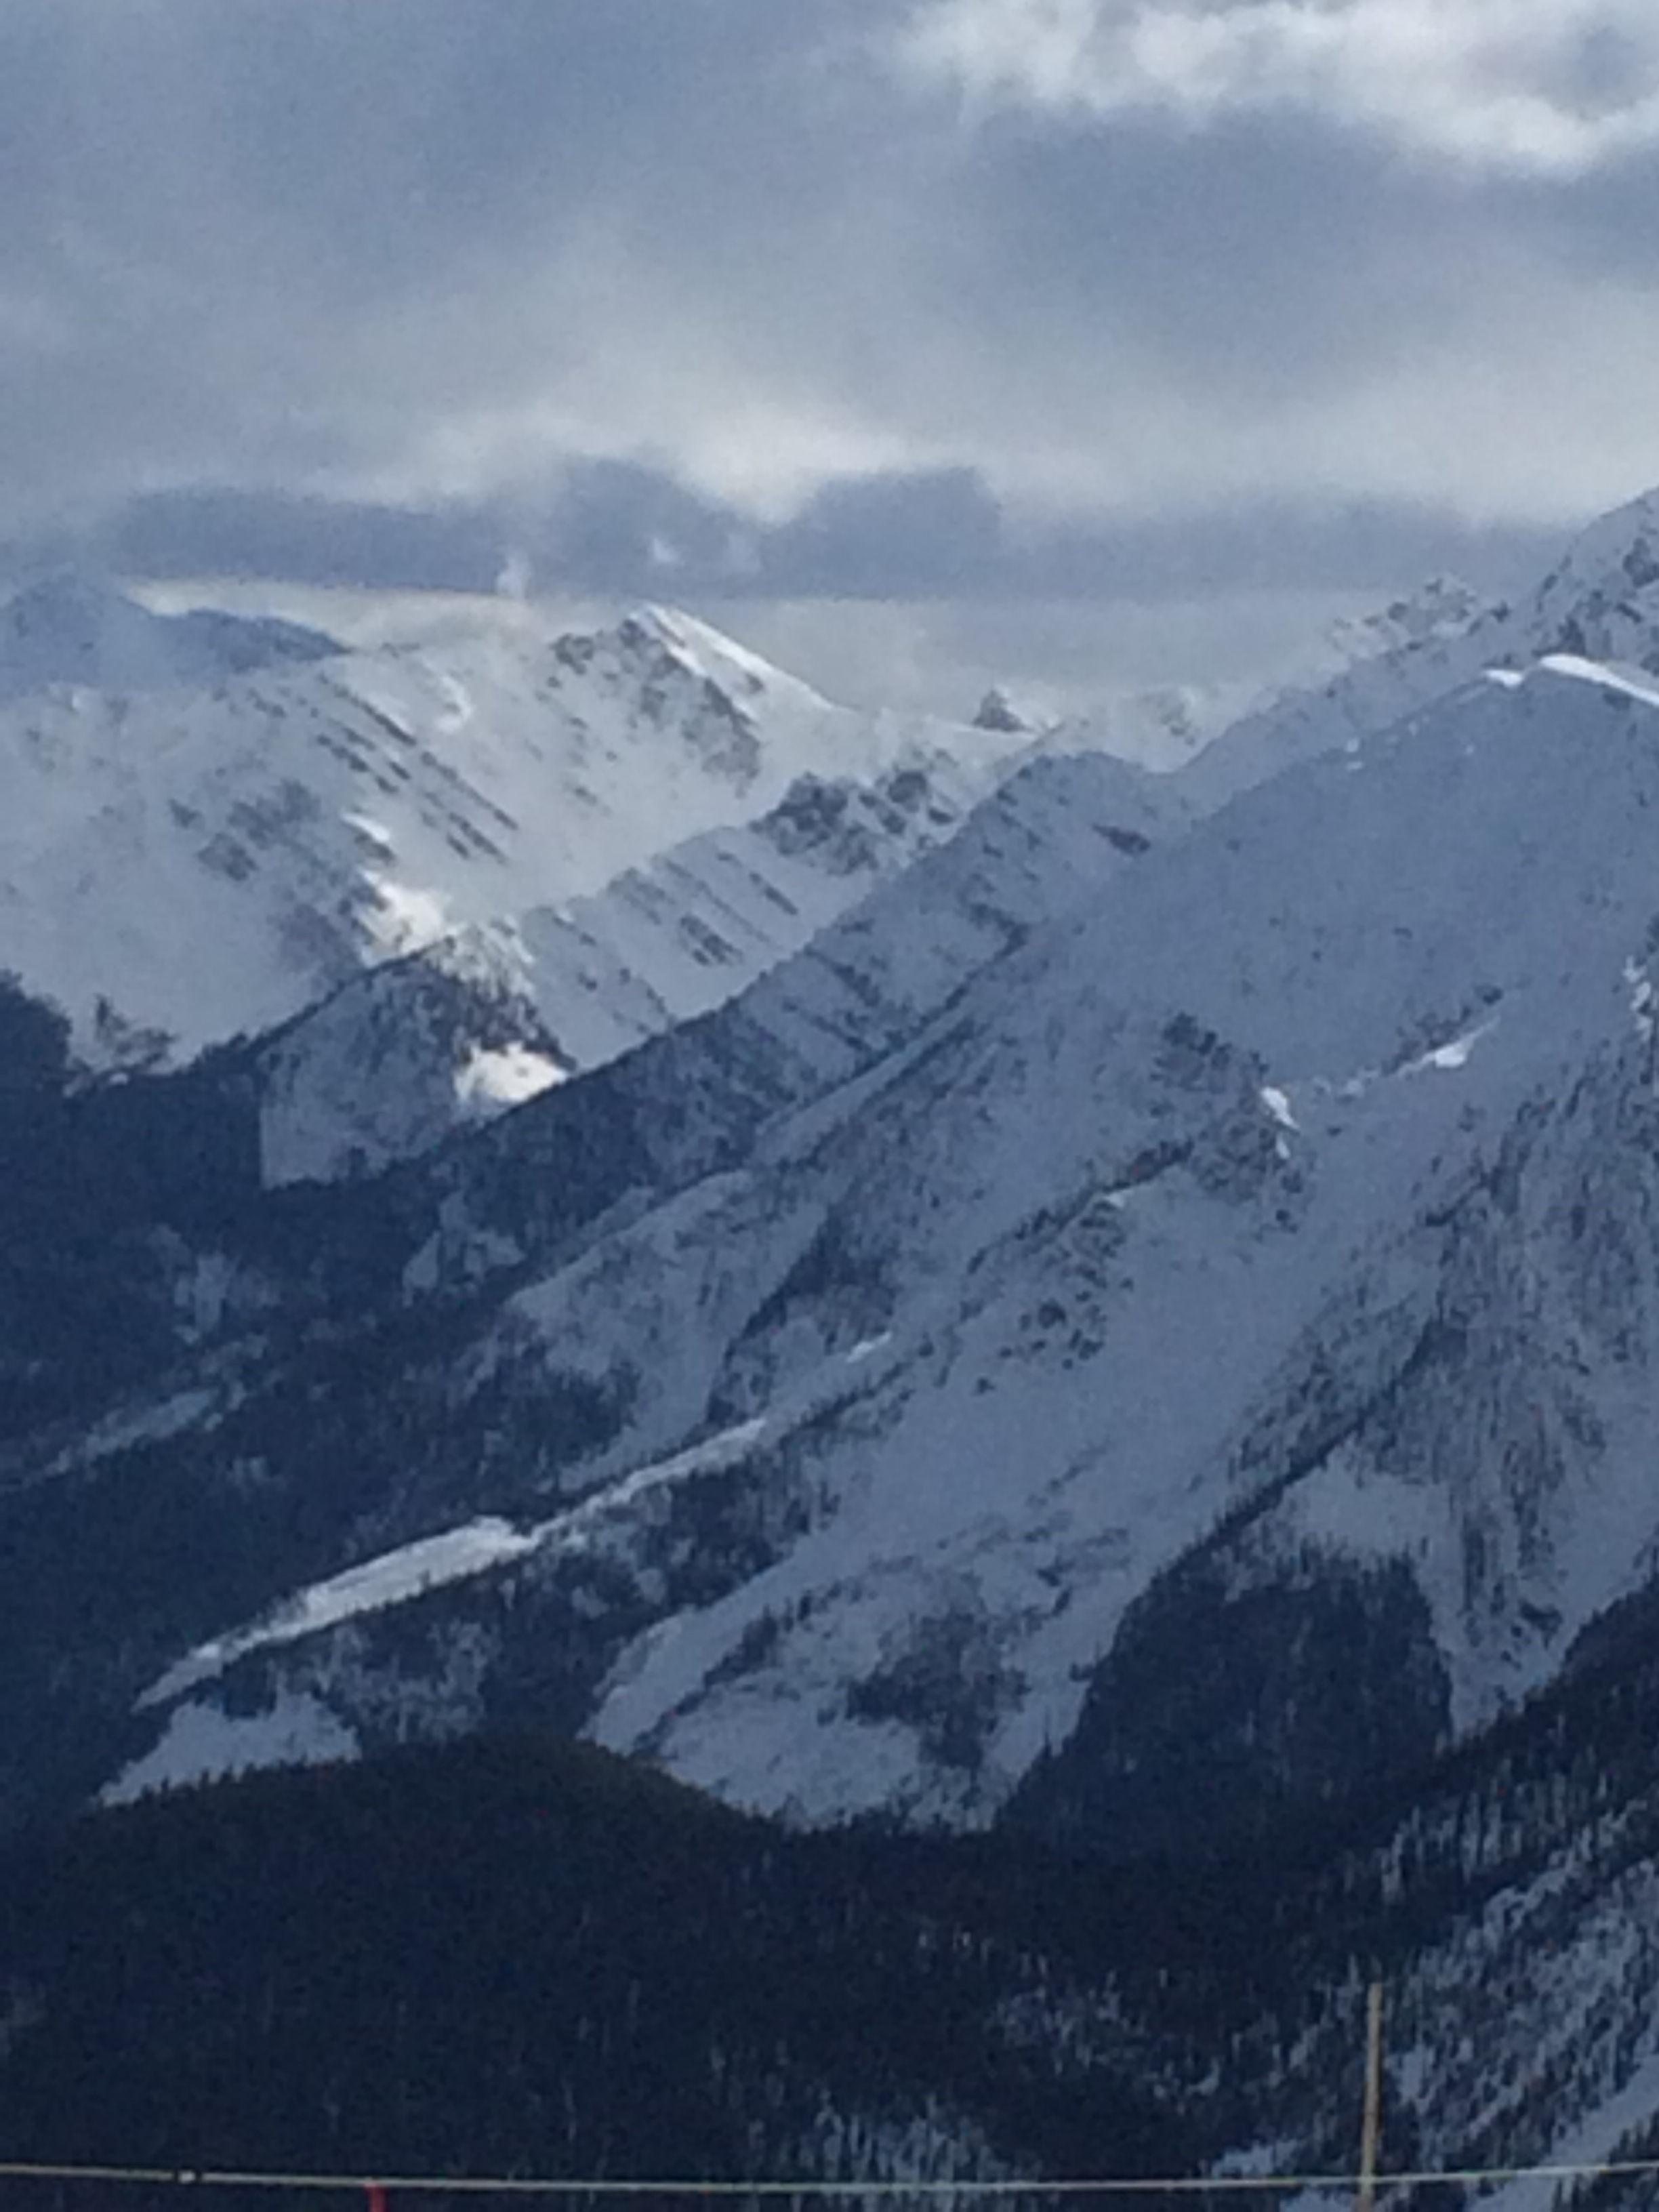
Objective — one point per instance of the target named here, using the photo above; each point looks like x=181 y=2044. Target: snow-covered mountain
x=1355 y=679
x=687 y=1104
x=954 y=1309
x=1164 y=728
x=1601 y=600
x=1250 y=1234
x=855 y=1322
x=420 y=1047
x=415 y=1048
x=209 y=857
x=1365 y=676
x=395 y=1061
x=1140 y=1330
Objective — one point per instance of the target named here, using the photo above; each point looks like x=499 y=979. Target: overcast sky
x=1119 y=334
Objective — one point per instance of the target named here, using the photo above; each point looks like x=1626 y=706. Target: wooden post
x=1371 y=2126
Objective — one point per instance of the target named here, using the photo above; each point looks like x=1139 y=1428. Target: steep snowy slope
x=420 y=1047
x=210 y=858
x=1167 y=1239
x=693 y=928
x=395 y=1061
x=322 y=1473
x=1602 y=599
x=412 y=1050
x=1419 y=649
x=1220 y=737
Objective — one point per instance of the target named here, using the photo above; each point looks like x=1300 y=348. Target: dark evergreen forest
x=515 y=1956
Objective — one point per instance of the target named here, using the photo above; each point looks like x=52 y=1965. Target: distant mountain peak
x=302 y=817
x=1608 y=575
x=996 y=711
x=1441 y=606
x=76 y=626
x=1625 y=539
x=707 y=652
x=64 y=598
x=72 y=620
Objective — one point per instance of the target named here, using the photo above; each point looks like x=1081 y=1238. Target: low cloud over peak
x=736 y=298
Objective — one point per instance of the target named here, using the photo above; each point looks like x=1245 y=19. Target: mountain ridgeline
x=916 y=1435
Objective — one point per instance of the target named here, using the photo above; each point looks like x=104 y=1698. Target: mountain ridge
x=752 y=1362
x=209 y=858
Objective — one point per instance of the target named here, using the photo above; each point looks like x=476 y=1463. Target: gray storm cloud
x=840 y=296
x=1530 y=88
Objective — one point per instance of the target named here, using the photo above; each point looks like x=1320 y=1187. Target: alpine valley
x=763 y=1441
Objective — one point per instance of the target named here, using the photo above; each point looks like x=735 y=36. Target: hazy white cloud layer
x=961 y=299
x=1547 y=88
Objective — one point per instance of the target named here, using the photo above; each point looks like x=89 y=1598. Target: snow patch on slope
x=390 y=1579
x=203 y=1744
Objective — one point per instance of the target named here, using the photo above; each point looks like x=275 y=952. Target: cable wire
x=598 y=2185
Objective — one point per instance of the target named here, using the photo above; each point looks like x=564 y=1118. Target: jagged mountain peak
x=660 y=646
x=997 y=711
x=708 y=652
x=1443 y=605
x=299 y=821
x=1601 y=597
x=1599 y=603
x=1624 y=538
x=1363 y=671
